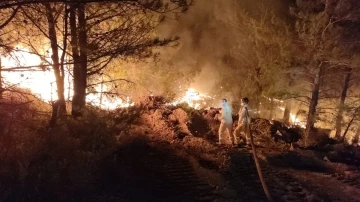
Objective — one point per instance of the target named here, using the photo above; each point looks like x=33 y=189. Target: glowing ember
x=294 y=119
x=107 y=102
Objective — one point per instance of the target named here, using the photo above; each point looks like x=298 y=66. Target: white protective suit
x=226 y=123
x=243 y=124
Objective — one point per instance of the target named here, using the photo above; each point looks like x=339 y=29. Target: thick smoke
x=205 y=39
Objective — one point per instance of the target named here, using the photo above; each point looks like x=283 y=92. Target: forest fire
x=194 y=99
x=122 y=100
x=294 y=119
x=42 y=82
x=39 y=82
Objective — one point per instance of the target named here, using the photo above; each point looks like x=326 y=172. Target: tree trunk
x=271 y=114
x=60 y=106
x=313 y=103
x=286 y=117
x=259 y=89
x=101 y=91
x=80 y=65
x=339 y=117
x=355 y=115
x=75 y=108
x=257 y=104
x=357 y=135
x=1 y=86
x=83 y=52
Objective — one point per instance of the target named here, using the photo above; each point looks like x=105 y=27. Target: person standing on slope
x=243 y=126
x=226 y=122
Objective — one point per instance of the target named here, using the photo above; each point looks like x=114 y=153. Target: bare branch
x=10 y=18
x=104 y=82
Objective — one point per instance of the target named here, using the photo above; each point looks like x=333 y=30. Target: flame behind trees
x=97 y=33
x=124 y=30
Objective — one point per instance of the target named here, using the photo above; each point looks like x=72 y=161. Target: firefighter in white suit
x=243 y=126
x=226 y=122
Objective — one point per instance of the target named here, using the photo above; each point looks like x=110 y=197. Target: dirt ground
x=173 y=155
x=229 y=174
x=154 y=152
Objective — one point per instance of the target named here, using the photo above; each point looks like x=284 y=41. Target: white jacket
x=226 y=115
